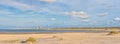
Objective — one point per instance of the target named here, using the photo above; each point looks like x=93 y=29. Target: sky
x=59 y=13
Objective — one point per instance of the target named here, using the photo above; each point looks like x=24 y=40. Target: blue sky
x=59 y=13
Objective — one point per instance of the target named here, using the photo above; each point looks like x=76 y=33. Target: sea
x=7 y=31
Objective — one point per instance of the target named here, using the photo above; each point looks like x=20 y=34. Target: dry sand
x=63 y=38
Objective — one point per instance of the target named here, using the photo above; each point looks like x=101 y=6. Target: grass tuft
x=113 y=32
x=61 y=39
x=54 y=37
x=31 y=39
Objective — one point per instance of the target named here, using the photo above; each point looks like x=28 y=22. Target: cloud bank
x=48 y=1
x=80 y=14
x=117 y=19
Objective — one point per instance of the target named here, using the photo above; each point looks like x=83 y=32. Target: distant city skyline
x=59 y=13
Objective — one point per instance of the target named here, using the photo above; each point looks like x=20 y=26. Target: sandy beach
x=62 y=38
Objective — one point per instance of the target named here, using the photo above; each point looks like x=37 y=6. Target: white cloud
x=15 y=4
x=86 y=20
x=80 y=14
x=53 y=19
x=117 y=19
x=103 y=14
x=24 y=7
x=49 y=1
